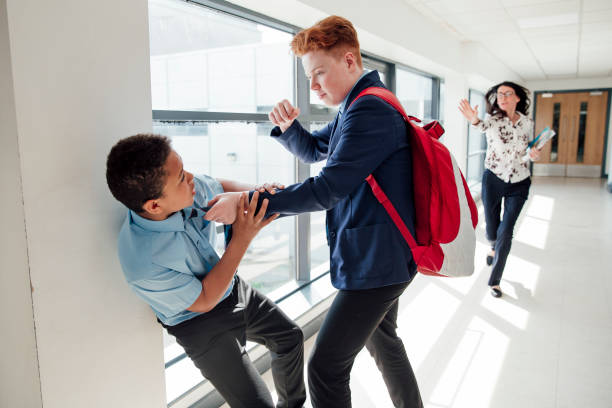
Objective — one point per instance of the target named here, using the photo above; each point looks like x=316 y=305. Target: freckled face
x=329 y=76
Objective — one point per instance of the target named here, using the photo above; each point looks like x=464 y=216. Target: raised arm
x=308 y=147
x=372 y=130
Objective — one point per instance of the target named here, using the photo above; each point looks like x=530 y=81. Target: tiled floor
x=546 y=343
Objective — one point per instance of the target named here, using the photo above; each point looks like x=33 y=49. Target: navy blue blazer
x=366 y=249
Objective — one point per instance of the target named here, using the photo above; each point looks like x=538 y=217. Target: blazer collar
x=368 y=80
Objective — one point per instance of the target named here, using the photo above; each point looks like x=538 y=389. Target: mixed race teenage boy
x=166 y=249
x=370 y=263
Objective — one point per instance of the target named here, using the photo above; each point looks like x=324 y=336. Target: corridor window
x=415 y=92
x=477 y=142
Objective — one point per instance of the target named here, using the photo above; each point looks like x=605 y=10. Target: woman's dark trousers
x=500 y=231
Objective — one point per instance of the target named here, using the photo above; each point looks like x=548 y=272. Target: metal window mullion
x=302 y=172
x=391 y=78
x=435 y=98
x=472 y=93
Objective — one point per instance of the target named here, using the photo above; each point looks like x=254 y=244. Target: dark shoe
x=496 y=292
x=489 y=260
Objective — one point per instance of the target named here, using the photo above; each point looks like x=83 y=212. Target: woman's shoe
x=496 y=292
x=490 y=257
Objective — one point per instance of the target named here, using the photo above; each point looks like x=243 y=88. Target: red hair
x=335 y=34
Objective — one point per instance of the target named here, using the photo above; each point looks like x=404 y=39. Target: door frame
x=604 y=172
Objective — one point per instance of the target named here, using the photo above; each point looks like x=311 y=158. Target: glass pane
x=554 y=146
x=381 y=74
x=442 y=101
x=414 y=92
x=204 y=60
x=582 y=131
x=477 y=142
x=475 y=168
x=319 y=250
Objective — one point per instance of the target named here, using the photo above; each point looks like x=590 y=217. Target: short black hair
x=520 y=91
x=135 y=169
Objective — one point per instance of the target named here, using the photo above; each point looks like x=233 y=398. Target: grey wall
x=19 y=381
x=81 y=81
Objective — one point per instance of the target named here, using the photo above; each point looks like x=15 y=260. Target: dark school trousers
x=215 y=342
x=357 y=318
x=500 y=231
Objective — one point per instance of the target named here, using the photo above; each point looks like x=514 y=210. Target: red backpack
x=446 y=215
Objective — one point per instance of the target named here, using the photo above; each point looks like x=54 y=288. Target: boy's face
x=331 y=76
x=178 y=190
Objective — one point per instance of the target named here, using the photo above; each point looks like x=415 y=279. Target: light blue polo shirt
x=165 y=261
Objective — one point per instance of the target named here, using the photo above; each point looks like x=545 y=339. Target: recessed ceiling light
x=548 y=21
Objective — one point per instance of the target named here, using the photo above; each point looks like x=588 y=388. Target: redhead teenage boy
x=370 y=263
x=166 y=249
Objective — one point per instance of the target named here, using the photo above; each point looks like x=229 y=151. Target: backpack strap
x=378 y=192
x=397 y=220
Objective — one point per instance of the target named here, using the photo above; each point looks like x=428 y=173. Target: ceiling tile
x=484 y=16
x=554 y=35
x=596 y=5
x=445 y=7
x=545 y=9
x=516 y=3
x=597 y=16
x=474 y=31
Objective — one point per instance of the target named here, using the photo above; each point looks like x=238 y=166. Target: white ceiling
x=537 y=39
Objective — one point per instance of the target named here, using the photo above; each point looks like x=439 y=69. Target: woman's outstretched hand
x=471 y=114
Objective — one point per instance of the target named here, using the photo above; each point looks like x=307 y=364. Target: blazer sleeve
x=308 y=147
x=371 y=132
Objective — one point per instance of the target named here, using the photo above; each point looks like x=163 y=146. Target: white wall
x=81 y=81
x=19 y=381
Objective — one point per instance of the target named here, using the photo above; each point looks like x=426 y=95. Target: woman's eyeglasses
x=505 y=94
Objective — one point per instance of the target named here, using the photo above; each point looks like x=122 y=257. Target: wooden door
x=579 y=119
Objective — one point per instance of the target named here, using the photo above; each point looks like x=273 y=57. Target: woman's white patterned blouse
x=507 y=145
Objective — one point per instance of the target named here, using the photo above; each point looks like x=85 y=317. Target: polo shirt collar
x=174 y=223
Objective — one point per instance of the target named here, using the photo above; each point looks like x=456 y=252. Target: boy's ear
x=350 y=60
x=152 y=207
